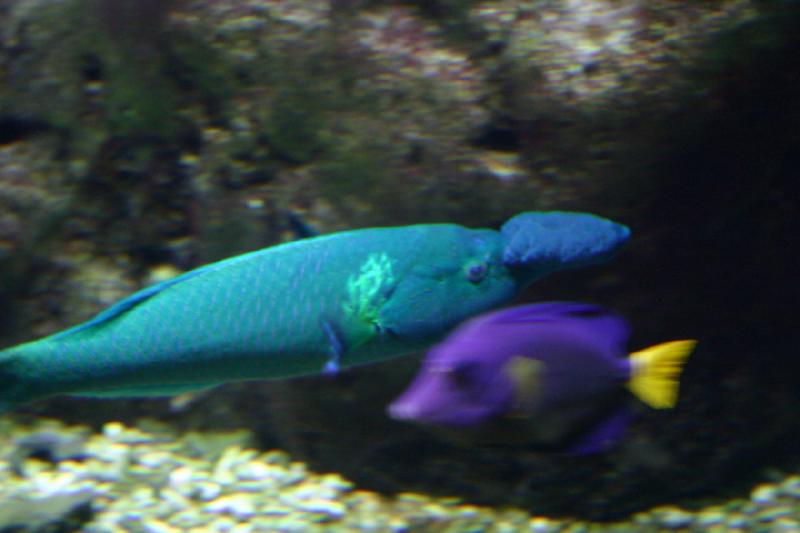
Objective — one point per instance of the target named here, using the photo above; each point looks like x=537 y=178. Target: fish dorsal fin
x=596 y=321
x=126 y=304
x=547 y=311
x=121 y=307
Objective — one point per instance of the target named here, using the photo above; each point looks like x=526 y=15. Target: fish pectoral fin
x=336 y=348
x=526 y=375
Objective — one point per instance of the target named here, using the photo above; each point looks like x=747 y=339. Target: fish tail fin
x=10 y=383
x=654 y=378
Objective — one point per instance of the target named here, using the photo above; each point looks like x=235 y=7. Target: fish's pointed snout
x=546 y=241
x=402 y=411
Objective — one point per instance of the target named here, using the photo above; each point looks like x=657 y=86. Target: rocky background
x=142 y=138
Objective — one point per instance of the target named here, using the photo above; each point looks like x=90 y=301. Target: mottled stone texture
x=189 y=132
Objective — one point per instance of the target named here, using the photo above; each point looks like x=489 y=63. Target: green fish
x=318 y=304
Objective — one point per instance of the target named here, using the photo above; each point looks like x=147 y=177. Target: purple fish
x=561 y=366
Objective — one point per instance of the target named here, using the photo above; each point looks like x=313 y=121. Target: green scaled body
x=325 y=302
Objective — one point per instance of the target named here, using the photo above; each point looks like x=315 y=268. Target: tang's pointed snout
x=403 y=411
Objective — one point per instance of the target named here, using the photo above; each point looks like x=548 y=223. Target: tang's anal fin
x=605 y=434
x=335 y=349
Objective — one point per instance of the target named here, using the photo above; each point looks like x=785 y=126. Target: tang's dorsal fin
x=603 y=325
x=547 y=311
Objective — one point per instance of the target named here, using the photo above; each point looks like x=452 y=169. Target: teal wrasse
x=299 y=308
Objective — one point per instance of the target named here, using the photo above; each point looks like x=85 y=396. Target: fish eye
x=463 y=375
x=475 y=272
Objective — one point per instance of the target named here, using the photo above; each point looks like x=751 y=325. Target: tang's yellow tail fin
x=654 y=378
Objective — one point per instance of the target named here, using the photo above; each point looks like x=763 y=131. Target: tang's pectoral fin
x=526 y=377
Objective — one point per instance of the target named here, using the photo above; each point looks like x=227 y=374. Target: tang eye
x=464 y=375
x=476 y=272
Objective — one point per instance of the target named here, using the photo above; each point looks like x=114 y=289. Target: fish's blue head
x=536 y=243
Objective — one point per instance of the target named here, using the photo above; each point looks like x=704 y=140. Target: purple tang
x=556 y=364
